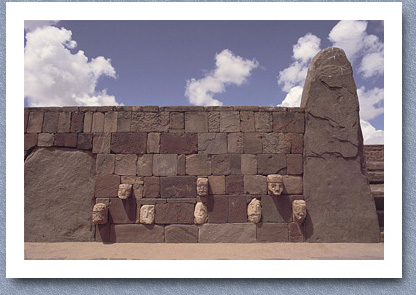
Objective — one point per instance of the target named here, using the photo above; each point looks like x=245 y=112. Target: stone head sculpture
x=299 y=210
x=275 y=184
x=202 y=186
x=124 y=191
x=100 y=213
x=254 y=211
x=200 y=213
x=147 y=214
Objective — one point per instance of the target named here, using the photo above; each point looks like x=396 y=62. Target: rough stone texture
x=106 y=186
x=271 y=164
x=294 y=164
x=339 y=202
x=176 y=233
x=226 y=164
x=77 y=122
x=296 y=143
x=58 y=207
x=237 y=209
x=125 y=191
x=374 y=153
x=263 y=121
x=196 y=122
x=177 y=120
x=247 y=121
x=216 y=185
x=45 y=139
x=217 y=209
x=248 y=164
x=214 y=121
x=227 y=233
x=150 y=121
x=272 y=232
x=288 y=122
x=252 y=143
x=35 y=122
x=275 y=143
x=212 y=143
x=254 y=211
x=181 y=164
x=230 y=121
x=110 y=121
x=101 y=143
x=202 y=186
x=198 y=165
x=275 y=184
x=64 y=122
x=84 y=141
x=177 y=143
x=123 y=121
x=153 y=143
x=100 y=213
x=138 y=191
x=234 y=184
x=165 y=165
x=293 y=185
x=255 y=184
x=128 y=143
x=174 y=213
x=147 y=214
x=105 y=164
x=145 y=165
x=299 y=210
x=122 y=211
x=50 y=122
x=235 y=143
x=65 y=140
x=125 y=164
x=137 y=233
x=87 y=122
x=132 y=180
x=200 y=213
x=178 y=187
x=296 y=233
x=31 y=141
x=98 y=122
x=276 y=209
x=102 y=233
x=151 y=187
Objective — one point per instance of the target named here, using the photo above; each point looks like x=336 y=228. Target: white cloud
x=31 y=25
x=306 y=48
x=230 y=69
x=370 y=134
x=370 y=102
x=293 y=97
x=372 y=64
x=293 y=75
x=56 y=77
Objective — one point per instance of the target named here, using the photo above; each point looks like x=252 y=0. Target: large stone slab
x=227 y=233
x=337 y=193
x=59 y=196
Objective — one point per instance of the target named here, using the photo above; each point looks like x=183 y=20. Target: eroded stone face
x=275 y=184
x=147 y=214
x=202 y=186
x=200 y=213
x=124 y=191
x=299 y=210
x=254 y=211
x=100 y=213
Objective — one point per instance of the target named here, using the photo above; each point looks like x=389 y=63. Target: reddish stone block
x=50 y=122
x=181 y=164
x=102 y=233
x=105 y=164
x=176 y=233
x=151 y=187
x=177 y=143
x=150 y=121
x=110 y=121
x=174 y=213
x=84 y=141
x=272 y=232
x=271 y=164
x=177 y=120
x=216 y=185
x=137 y=233
x=276 y=143
x=296 y=233
x=106 y=186
x=122 y=211
x=125 y=164
x=248 y=164
x=217 y=209
x=293 y=185
x=230 y=121
x=145 y=165
x=237 y=209
x=178 y=187
x=226 y=164
x=296 y=143
x=123 y=121
x=234 y=184
x=198 y=164
x=196 y=122
x=66 y=140
x=212 y=143
x=294 y=164
x=101 y=143
x=227 y=233
x=252 y=143
x=77 y=122
x=128 y=143
x=276 y=209
x=289 y=122
x=255 y=184
x=153 y=143
x=35 y=122
x=31 y=140
x=46 y=139
x=235 y=143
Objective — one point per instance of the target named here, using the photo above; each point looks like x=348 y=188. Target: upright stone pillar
x=336 y=189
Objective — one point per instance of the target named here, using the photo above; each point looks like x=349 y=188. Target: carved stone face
x=200 y=213
x=124 y=191
x=254 y=211
x=202 y=186
x=275 y=184
x=299 y=210
x=100 y=213
x=147 y=214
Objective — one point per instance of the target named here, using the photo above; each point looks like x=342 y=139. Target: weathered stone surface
x=132 y=180
x=255 y=184
x=375 y=166
x=87 y=122
x=254 y=211
x=272 y=232
x=65 y=140
x=165 y=165
x=340 y=206
x=102 y=233
x=177 y=233
x=153 y=143
x=177 y=120
x=35 y=122
x=45 y=139
x=374 y=152
x=98 y=122
x=275 y=184
x=276 y=143
x=64 y=122
x=230 y=121
x=288 y=122
x=263 y=121
x=248 y=164
x=271 y=164
x=276 y=209
x=226 y=164
x=177 y=143
x=217 y=209
x=234 y=184
x=137 y=233
x=150 y=121
x=105 y=164
x=31 y=141
x=247 y=121
x=178 y=187
x=147 y=214
x=181 y=164
x=252 y=143
x=128 y=143
x=296 y=143
x=151 y=187
x=294 y=164
x=110 y=121
x=216 y=185
x=138 y=191
x=50 y=122
x=77 y=122
x=125 y=164
x=296 y=233
x=84 y=141
x=293 y=185
x=124 y=121
x=200 y=213
x=214 y=121
x=202 y=186
x=101 y=143
x=376 y=176
x=125 y=191
x=122 y=211
x=145 y=165
x=100 y=213
x=237 y=209
x=198 y=164
x=174 y=213
x=212 y=143
x=106 y=186
x=196 y=122
x=58 y=207
x=235 y=143
x=227 y=233
x=299 y=210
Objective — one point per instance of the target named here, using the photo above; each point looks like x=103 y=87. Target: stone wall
x=161 y=152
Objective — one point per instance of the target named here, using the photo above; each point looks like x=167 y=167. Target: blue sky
x=196 y=62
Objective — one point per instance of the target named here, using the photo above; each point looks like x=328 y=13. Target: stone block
x=66 y=140
x=100 y=213
x=125 y=164
x=264 y=121
x=64 y=122
x=235 y=143
x=217 y=209
x=150 y=121
x=145 y=165
x=87 y=122
x=178 y=143
x=177 y=233
x=237 y=209
x=138 y=191
x=110 y=121
x=170 y=213
x=272 y=232
x=181 y=164
x=102 y=233
x=45 y=139
x=128 y=143
x=101 y=143
x=198 y=164
x=296 y=143
x=252 y=143
x=248 y=164
x=124 y=121
x=147 y=214
x=196 y=122
x=234 y=184
x=151 y=187
x=31 y=140
x=212 y=143
x=230 y=121
x=77 y=122
x=106 y=186
x=247 y=121
x=214 y=121
x=122 y=210
x=271 y=164
x=276 y=209
x=216 y=185
x=288 y=122
x=226 y=164
x=98 y=122
x=294 y=164
x=255 y=184
x=50 y=122
x=84 y=141
x=132 y=180
x=296 y=233
x=153 y=143
x=178 y=187
x=165 y=165
x=137 y=233
x=227 y=233
x=293 y=185
x=35 y=122
x=276 y=143
x=177 y=120
x=105 y=164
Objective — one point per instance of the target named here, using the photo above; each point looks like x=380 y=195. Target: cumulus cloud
x=293 y=97
x=31 y=25
x=54 y=76
x=370 y=134
x=371 y=102
x=230 y=69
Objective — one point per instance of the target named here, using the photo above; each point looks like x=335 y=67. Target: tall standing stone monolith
x=336 y=189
